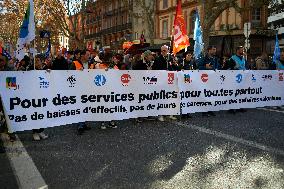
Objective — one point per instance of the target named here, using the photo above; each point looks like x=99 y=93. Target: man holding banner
x=210 y=62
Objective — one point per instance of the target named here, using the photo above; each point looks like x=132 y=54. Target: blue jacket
x=214 y=61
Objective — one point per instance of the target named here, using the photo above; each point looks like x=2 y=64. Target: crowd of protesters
x=86 y=59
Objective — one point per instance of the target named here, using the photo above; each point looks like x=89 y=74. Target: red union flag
x=181 y=40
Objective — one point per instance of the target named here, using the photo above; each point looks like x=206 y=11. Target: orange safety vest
x=78 y=65
x=103 y=66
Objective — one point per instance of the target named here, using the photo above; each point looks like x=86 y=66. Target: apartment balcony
x=93 y=36
x=111 y=30
x=117 y=28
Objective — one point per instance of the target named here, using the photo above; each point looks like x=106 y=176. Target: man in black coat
x=60 y=63
x=165 y=61
x=145 y=63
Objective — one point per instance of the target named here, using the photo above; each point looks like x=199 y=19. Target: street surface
x=245 y=150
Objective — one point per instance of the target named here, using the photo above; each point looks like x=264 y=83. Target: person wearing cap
x=146 y=63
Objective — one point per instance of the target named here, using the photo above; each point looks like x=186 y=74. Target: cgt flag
x=181 y=40
x=27 y=31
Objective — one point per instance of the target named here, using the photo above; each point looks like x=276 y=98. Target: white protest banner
x=38 y=99
x=203 y=91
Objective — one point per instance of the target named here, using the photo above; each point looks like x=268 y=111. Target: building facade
x=110 y=23
x=228 y=30
x=276 y=21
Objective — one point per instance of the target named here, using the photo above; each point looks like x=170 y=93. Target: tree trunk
x=206 y=37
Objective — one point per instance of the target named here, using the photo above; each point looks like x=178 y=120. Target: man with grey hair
x=165 y=62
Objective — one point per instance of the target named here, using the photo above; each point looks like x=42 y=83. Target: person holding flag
x=165 y=61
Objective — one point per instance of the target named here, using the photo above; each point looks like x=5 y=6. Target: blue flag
x=197 y=36
x=47 y=53
x=276 y=55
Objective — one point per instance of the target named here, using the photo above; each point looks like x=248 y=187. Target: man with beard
x=210 y=62
x=237 y=62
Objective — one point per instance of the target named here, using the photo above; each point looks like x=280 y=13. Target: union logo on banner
x=171 y=78
x=187 y=78
x=100 y=80
x=150 y=80
x=239 y=78
x=125 y=79
x=204 y=78
x=281 y=76
x=11 y=83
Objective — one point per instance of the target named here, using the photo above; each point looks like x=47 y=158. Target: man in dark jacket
x=165 y=61
x=146 y=63
x=187 y=62
x=60 y=63
x=210 y=61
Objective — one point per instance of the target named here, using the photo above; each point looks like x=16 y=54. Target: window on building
x=256 y=17
x=165 y=4
x=165 y=29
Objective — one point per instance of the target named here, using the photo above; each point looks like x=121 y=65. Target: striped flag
x=181 y=40
x=27 y=31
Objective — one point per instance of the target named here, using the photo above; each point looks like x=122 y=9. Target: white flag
x=27 y=31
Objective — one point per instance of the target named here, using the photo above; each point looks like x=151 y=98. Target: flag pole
x=34 y=44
